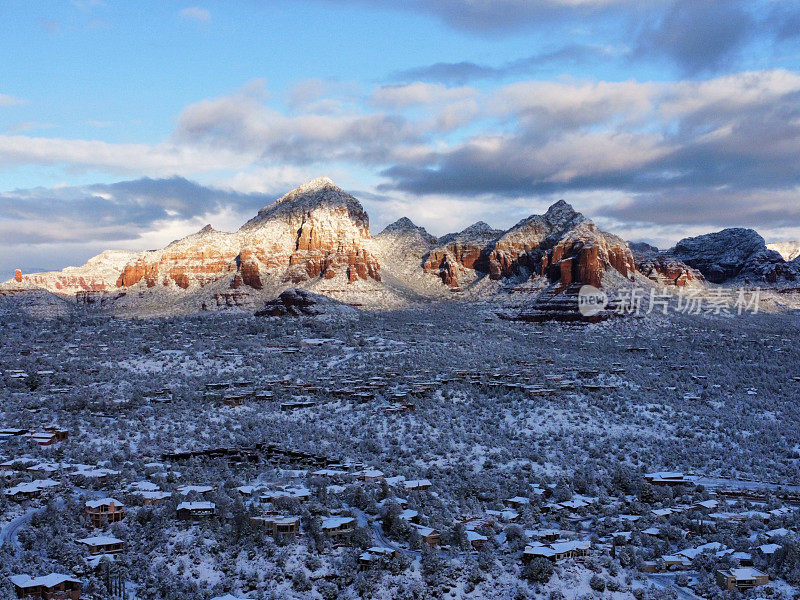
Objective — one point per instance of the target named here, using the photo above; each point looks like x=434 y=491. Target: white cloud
x=195 y=13
x=155 y=159
x=6 y=100
x=403 y=96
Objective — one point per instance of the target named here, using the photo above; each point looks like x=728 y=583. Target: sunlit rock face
x=562 y=245
x=316 y=230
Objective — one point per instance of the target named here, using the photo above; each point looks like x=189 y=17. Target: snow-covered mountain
x=316 y=237
x=562 y=245
x=735 y=254
x=788 y=250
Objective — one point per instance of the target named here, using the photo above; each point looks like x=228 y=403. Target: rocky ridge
x=562 y=245
x=316 y=237
x=735 y=254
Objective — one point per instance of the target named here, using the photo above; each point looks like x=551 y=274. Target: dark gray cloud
x=712 y=35
x=784 y=21
x=722 y=147
x=112 y=212
x=715 y=208
x=699 y=35
x=502 y=16
x=459 y=73
x=243 y=123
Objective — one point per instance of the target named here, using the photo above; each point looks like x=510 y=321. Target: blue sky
x=658 y=118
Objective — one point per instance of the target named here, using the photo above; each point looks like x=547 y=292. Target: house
x=376 y=554
x=196 y=510
x=105 y=510
x=47 y=587
x=692 y=553
x=150 y=498
x=31 y=489
x=518 y=502
x=199 y=489
x=370 y=475
x=338 y=526
x=43 y=438
x=668 y=478
x=301 y=493
x=742 y=579
x=676 y=561
x=476 y=540
x=277 y=525
x=59 y=433
x=769 y=549
x=558 y=550
x=544 y=535
x=103 y=544
x=429 y=535
x=409 y=515
x=417 y=484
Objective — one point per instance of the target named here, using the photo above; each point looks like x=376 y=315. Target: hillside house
x=150 y=498
x=59 y=433
x=742 y=579
x=277 y=525
x=103 y=544
x=517 y=502
x=336 y=526
x=31 y=489
x=558 y=551
x=376 y=554
x=417 y=485
x=104 y=511
x=668 y=478
x=476 y=540
x=190 y=511
x=47 y=587
x=429 y=535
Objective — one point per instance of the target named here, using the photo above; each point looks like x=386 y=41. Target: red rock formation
x=18 y=276
x=248 y=270
x=561 y=244
x=135 y=272
x=663 y=268
x=67 y=283
x=445 y=265
x=670 y=272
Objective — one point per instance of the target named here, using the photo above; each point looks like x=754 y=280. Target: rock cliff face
x=735 y=253
x=459 y=251
x=314 y=230
x=562 y=245
x=663 y=268
x=98 y=274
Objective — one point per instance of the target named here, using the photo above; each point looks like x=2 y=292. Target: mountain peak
x=319 y=193
x=404 y=225
x=562 y=213
x=309 y=187
x=479 y=227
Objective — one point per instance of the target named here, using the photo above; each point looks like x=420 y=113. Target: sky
x=130 y=124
